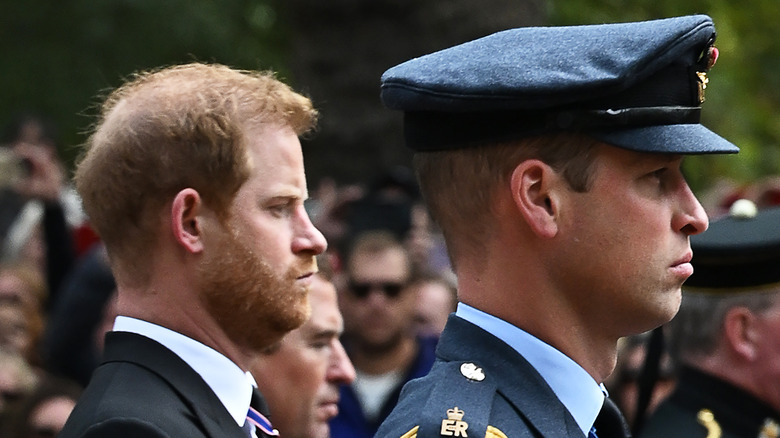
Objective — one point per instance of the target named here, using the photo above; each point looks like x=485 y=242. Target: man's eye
x=659 y=174
x=281 y=209
x=319 y=345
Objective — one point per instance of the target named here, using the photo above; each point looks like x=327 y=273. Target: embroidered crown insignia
x=455 y=414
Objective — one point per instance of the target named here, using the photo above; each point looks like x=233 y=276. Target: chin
x=655 y=320
x=319 y=430
x=672 y=305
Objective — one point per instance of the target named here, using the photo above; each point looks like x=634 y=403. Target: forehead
x=272 y=145
x=389 y=261
x=325 y=314
x=275 y=160
x=322 y=296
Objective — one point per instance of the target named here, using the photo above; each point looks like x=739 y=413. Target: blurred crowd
x=386 y=259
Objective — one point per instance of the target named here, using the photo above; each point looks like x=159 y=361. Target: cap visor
x=668 y=139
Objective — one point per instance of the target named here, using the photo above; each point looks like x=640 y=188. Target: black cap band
x=738 y=252
x=432 y=131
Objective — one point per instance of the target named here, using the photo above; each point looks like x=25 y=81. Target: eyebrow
x=643 y=157
x=320 y=332
x=288 y=196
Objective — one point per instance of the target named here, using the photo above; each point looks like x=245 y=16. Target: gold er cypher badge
x=454 y=424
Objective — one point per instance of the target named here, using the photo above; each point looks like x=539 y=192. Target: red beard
x=254 y=305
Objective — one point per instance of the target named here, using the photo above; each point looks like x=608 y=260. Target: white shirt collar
x=231 y=384
x=575 y=388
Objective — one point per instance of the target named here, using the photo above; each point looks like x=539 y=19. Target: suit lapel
x=188 y=384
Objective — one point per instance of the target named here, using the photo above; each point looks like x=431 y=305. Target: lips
x=305 y=270
x=328 y=409
x=305 y=276
x=682 y=267
x=684 y=259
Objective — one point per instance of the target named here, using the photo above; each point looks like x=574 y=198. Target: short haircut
x=459 y=185
x=698 y=326
x=375 y=242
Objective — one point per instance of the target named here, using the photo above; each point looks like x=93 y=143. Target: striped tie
x=255 y=420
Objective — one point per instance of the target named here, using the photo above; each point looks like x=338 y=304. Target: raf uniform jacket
x=142 y=389
x=351 y=421
x=707 y=407
x=478 y=387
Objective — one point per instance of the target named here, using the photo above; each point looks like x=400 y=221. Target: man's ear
x=739 y=327
x=186 y=220
x=532 y=184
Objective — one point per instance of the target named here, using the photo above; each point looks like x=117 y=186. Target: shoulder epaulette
x=459 y=404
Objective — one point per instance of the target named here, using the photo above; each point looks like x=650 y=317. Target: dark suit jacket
x=142 y=389
x=507 y=397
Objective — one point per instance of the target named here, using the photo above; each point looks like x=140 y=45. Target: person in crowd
x=726 y=336
x=74 y=333
x=23 y=294
x=436 y=299
x=379 y=333
x=386 y=204
x=300 y=377
x=17 y=379
x=426 y=244
x=43 y=412
x=39 y=211
x=194 y=180
x=22 y=284
x=551 y=159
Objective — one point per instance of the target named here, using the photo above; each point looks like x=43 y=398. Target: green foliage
x=59 y=56
x=743 y=96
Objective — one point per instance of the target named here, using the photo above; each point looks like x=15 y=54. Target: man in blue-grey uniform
x=550 y=157
x=726 y=336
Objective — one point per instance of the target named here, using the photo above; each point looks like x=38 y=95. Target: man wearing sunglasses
x=379 y=336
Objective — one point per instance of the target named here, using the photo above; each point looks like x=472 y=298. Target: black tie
x=610 y=423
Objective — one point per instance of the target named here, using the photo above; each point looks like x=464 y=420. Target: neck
x=538 y=310
x=191 y=321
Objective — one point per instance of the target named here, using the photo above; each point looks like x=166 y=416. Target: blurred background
x=59 y=57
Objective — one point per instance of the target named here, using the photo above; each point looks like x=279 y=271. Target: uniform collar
x=574 y=387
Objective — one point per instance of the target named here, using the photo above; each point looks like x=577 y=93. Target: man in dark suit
x=726 y=336
x=550 y=157
x=194 y=180
x=301 y=375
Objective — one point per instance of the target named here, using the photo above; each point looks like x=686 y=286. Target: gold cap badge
x=710 y=57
